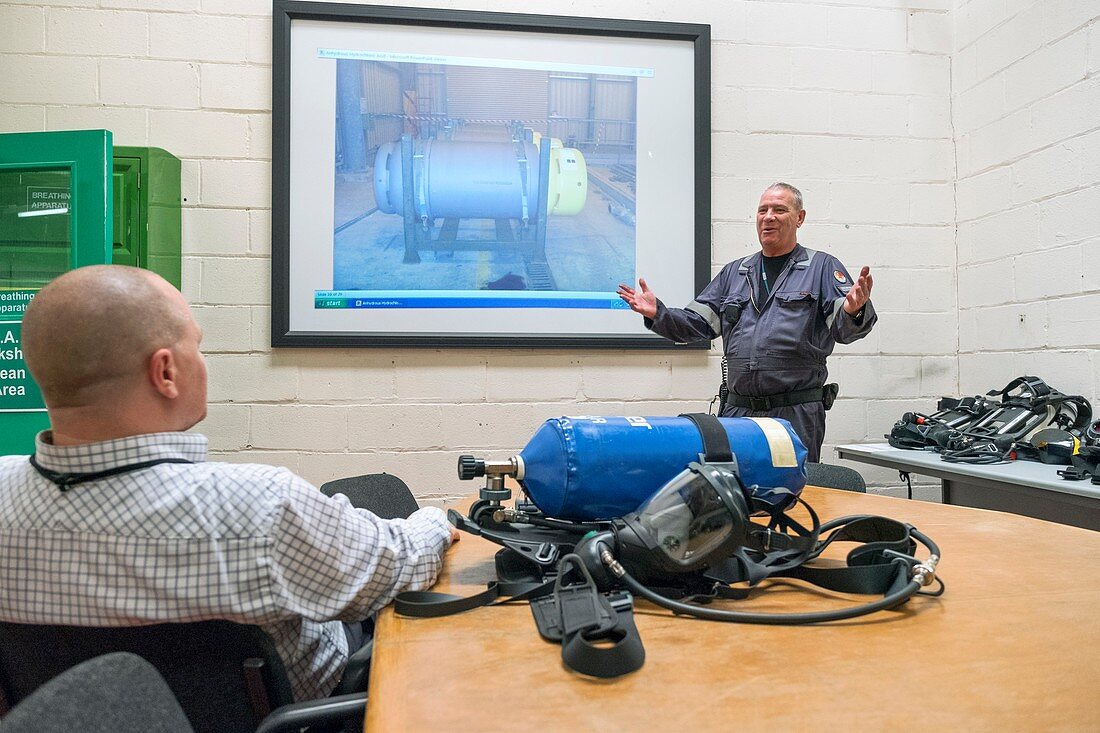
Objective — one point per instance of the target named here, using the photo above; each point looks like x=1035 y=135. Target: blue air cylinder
x=585 y=468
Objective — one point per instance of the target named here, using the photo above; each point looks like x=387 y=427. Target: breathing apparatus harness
x=978 y=430
x=682 y=548
x=917 y=431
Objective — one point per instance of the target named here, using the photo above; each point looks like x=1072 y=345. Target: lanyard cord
x=66 y=481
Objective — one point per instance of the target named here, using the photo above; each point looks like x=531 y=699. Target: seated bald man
x=118 y=519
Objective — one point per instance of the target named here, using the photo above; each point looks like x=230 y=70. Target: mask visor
x=686 y=518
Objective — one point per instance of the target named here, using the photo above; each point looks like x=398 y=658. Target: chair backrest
x=226 y=676
x=382 y=493
x=113 y=693
x=835 y=477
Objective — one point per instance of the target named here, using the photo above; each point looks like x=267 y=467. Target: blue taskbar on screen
x=464 y=299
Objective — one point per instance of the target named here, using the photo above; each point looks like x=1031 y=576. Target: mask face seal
x=689 y=518
x=700 y=522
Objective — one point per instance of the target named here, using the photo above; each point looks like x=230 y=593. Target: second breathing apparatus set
x=1027 y=419
x=680 y=511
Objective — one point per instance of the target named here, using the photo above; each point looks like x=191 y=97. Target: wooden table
x=1014 y=644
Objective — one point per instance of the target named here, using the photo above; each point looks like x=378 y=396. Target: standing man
x=118 y=519
x=779 y=312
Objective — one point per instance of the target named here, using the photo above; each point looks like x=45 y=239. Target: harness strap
x=431 y=604
x=863 y=579
x=716 y=444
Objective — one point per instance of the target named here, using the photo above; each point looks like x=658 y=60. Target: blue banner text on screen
x=427 y=58
x=338 y=299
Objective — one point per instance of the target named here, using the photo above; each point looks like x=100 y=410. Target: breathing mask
x=700 y=522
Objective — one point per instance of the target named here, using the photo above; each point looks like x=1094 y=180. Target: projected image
x=453 y=176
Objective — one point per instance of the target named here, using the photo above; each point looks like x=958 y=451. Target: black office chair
x=227 y=677
x=382 y=493
x=114 y=693
x=835 y=477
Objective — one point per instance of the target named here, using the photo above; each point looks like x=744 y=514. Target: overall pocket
x=792 y=322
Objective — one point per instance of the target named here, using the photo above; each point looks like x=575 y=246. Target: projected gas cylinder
x=479 y=179
x=585 y=468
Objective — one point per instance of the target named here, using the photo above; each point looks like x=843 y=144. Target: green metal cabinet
x=70 y=199
x=147 y=227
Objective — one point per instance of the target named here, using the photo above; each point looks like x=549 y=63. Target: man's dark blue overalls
x=775 y=343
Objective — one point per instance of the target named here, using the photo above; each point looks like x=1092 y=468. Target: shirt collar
x=91 y=457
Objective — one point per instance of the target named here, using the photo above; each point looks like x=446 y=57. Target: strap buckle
x=759 y=403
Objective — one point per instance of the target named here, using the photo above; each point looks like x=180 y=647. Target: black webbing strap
x=772 y=401
x=1033 y=385
x=716 y=444
x=65 y=481
x=863 y=579
x=431 y=604
x=875 y=566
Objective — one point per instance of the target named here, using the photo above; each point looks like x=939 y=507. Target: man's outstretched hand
x=859 y=294
x=641 y=301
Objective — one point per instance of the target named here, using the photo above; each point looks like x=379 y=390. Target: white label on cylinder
x=779 y=442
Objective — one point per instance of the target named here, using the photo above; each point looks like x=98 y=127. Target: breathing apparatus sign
x=18 y=392
x=48 y=198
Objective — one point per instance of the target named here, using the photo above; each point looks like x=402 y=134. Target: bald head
x=88 y=335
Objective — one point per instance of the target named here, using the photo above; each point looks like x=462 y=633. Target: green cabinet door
x=147 y=225
x=55 y=214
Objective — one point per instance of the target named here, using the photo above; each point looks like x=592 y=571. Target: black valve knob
x=470 y=467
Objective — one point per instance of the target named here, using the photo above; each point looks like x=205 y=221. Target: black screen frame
x=286 y=11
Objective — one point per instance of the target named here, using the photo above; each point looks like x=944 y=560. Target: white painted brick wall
x=1046 y=71
x=1069 y=217
x=787 y=23
x=1094 y=48
x=200 y=134
x=21 y=117
x=51 y=80
x=197 y=37
x=259 y=232
x=352 y=378
x=236 y=87
x=24 y=29
x=226 y=427
x=300 y=427
x=225 y=328
x=97 y=32
x=236 y=183
x=128 y=126
x=863 y=28
x=900 y=120
x=215 y=231
x=236 y=280
x=929 y=32
x=147 y=83
x=848 y=71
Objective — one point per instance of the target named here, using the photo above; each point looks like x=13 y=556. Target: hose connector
x=509 y=515
x=612 y=564
x=924 y=573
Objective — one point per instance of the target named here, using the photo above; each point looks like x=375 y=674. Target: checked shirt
x=182 y=542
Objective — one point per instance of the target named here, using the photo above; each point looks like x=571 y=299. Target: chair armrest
x=298 y=715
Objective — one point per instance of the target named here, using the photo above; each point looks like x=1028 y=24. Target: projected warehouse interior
x=478 y=183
